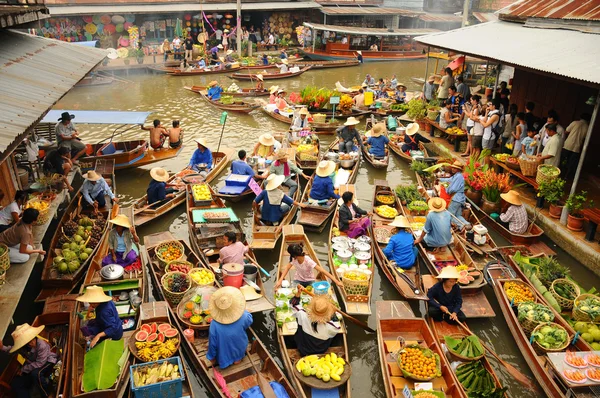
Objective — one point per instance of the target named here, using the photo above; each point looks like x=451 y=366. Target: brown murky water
x=165 y=97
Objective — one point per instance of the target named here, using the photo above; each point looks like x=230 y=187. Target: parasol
x=178 y=29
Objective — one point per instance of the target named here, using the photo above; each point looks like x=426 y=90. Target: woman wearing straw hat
x=412 y=138
x=445 y=298
x=283 y=68
x=353 y=220
x=282 y=166
x=214 y=91
x=280 y=101
x=260 y=85
x=229 y=57
x=202 y=156
x=95 y=189
x=121 y=243
x=273 y=94
x=157 y=189
x=39 y=361
x=437 y=231
x=377 y=140
x=347 y=134
x=265 y=147
x=227 y=337
x=457 y=190
x=514 y=216
x=106 y=324
x=322 y=189
x=401 y=248
x=275 y=203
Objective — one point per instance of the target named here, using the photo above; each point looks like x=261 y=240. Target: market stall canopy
x=485 y=16
x=98 y=117
x=442 y=18
x=35 y=73
x=92 y=43
x=370 y=31
x=369 y=11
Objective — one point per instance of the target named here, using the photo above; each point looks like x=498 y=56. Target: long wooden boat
x=244 y=92
x=368 y=56
x=245 y=194
x=201 y=72
x=236 y=106
x=128 y=154
x=53 y=282
x=406 y=282
x=314 y=217
x=268 y=76
x=325 y=64
x=144 y=213
x=320 y=128
x=395 y=145
x=378 y=163
x=397 y=323
x=294 y=234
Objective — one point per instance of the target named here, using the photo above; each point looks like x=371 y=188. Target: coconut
x=73 y=265
x=58 y=260
x=63 y=268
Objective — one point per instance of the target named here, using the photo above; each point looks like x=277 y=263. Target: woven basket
x=319 y=118
x=522 y=284
x=198 y=269
x=582 y=316
x=166 y=245
x=45 y=215
x=514 y=166
x=4 y=258
x=179 y=262
x=540 y=177
x=529 y=166
x=432 y=115
x=529 y=325
x=564 y=303
x=542 y=350
x=2 y=277
x=355 y=288
x=438 y=364
x=172 y=297
x=458 y=356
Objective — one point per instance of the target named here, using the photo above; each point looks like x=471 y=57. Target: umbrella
x=178 y=29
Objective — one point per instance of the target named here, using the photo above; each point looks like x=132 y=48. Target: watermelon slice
x=152 y=337
x=142 y=335
x=161 y=337
x=171 y=333
x=154 y=327
x=147 y=328
x=163 y=326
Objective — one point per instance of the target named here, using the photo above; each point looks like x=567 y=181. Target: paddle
x=520 y=377
x=258 y=265
x=350 y=318
x=159 y=203
x=263 y=384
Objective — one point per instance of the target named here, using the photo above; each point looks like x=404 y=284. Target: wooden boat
x=325 y=64
x=268 y=76
x=405 y=281
x=307 y=165
x=378 y=163
x=53 y=282
x=244 y=92
x=90 y=81
x=328 y=127
x=395 y=323
x=144 y=213
x=236 y=106
x=128 y=154
x=201 y=72
x=247 y=193
x=314 y=217
x=294 y=234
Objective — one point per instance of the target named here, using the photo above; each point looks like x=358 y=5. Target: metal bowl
x=364 y=238
x=202 y=166
x=112 y=272
x=347 y=163
x=333 y=156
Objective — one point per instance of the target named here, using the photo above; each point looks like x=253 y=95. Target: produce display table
x=501 y=167
x=457 y=137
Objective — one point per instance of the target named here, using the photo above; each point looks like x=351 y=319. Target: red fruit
x=171 y=333
x=163 y=326
x=187 y=314
x=208 y=319
x=152 y=337
x=154 y=327
x=147 y=328
x=142 y=335
x=161 y=337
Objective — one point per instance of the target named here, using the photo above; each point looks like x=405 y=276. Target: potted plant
x=139 y=55
x=472 y=175
x=130 y=54
x=552 y=192
x=407 y=193
x=417 y=108
x=575 y=204
x=492 y=185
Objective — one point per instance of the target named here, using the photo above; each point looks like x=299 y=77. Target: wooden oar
x=258 y=265
x=263 y=384
x=514 y=372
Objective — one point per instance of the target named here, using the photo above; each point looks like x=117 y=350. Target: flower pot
x=140 y=60
x=488 y=91
x=422 y=124
x=574 y=223
x=555 y=210
x=126 y=61
x=490 y=207
x=403 y=202
x=475 y=196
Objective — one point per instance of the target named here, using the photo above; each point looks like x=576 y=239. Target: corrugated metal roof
x=98 y=117
x=440 y=18
x=370 y=31
x=526 y=47
x=585 y=10
x=485 y=16
x=35 y=73
x=369 y=11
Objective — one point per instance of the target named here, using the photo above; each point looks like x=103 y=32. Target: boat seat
x=241 y=367
x=110 y=149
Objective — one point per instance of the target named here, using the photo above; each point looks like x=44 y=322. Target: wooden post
x=239 y=27
x=427 y=64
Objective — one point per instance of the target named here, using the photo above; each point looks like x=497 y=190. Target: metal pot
x=364 y=238
x=112 y=272
x=344 y=255
x=252 y=161
x=347 y=163
x=337 y=239
x=362 y=247
x=333 y=156
x=202 y=166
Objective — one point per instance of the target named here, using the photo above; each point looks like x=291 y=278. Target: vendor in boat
x=273 y=94
x=265 y=59
x=445 y=298
x=514 y=216
x=322 y=189
x=369 y=80
x=227 y=334
x=347 y=134
x=283 y=67
x=106 y=324
x=280 y=101
x=201 y=63
x=19 y=238
x=412 y=138
x=157 y=190
x=301 y=123
x=233 y=251
x=11 y=213
x=158 y=134
x=305 y=269
x=39 y=361
x=202 y=156
x=214 y=91
x=214 y=54
x=229 y=57
x=400 y=94
x=265 y=147
x=359 y=56
x=353 y=221
x=68 y=136
x=377 y=140
x=359 y=99
x=241 y=167
x=94 y=190
x=282 y=166
x=437 y=231
x=457 y=190
x=275 y=203
x=58 y=161
x=401 y=248
x=121 y=243
x=260 y=85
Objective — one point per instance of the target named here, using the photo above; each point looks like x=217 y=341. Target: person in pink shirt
x=233 y=251
x=280 y=101
x=304 y=267
x=273 y=92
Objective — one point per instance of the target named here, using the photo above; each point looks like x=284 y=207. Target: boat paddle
x=258 y=265
x=263 y=384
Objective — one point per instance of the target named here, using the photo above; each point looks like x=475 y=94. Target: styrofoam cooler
x=237 y=180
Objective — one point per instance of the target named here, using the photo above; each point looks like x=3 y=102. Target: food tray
x=316 y=383
x=198 y=215
x=557 y=361
x=133 y=349
x=382 y=234
x=168 y=388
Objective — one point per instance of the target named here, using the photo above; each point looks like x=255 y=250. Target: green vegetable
x=418 y=166
x=535 y=312
x=418 y=205
x=551 y=337
x=477 y=381
x=101 y=365
x=469 y=346
x=590 y=306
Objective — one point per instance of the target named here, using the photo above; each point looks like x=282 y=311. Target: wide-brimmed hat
x=66 y=116
x=449 y=272
x=457 y=165
x=274 y=181
x=159 y=174
x=320 y=309
x=431 y=79
x=220 y=46
x=113 y=54
x=94 y=294
x=281 y=90
x=284 y=61
x=222 y=59
x=376 y=130
x=436 y=204
x=280 y=154
x=359 y=52
x=249 y=293
x=122 y=220
x=229 y=52
x=266 y=139
x=259 y=77
x=201 y=141
x=92 y=176
x=352 y=121
x=273 y=89
x=512 y=197
x=213 y=83
x=23 y=334
x=304 y=111
x=226 y=31
x=400 y=222
x=412 y=129
x=325 y=168
x=401 y=85
x=227 y=305
x=364 y=85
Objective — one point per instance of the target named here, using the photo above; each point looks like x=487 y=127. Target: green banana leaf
x=101 y=365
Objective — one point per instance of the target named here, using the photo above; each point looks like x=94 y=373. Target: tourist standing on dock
x=477 y=130
x=490 y=122
x=543 y=135
x=551 y=153
x=429 y=88
x=177 y=47
x=520 y=133
x=189 y=47
x=94 y=190
x=166 y=49
x=576 y=132
x=510 y=124
x=462 y=88
x=225 y=41
x=68 y=136
x=19 y=238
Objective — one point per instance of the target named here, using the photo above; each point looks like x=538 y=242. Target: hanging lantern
x=228 y=16
x=187 y=17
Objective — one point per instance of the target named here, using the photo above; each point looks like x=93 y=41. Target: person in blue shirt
x=215 y=91
x=400 y=93
x=359 y=57
x=322 y=187
x=157 y=190
x=201 y=63
x=121 y=243
x=401 y=248
x=437 y=231
x=94 y=189
x=275 y=203
x=265 y=59
x=377 y=140
x=106 y=324
x=241 y=167
x=457 y=190
x=283 y=54
x=202 y=156
x=445 y=298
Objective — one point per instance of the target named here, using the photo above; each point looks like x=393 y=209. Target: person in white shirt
x=543 y=136
x=11 y=213
x=283 y=67
x=177 y=47
x=345 y=40
x=551 y=153
x=271 y=40
x=576 y=132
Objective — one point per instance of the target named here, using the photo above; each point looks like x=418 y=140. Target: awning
x=485 y=16
x=98 y=117
x=91 y=43
x=35 y=73
x=440 y=18
x=370 y=31
x=527 y=47
x=369 y=11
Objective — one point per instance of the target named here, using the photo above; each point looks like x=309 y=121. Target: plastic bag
x=32 y=150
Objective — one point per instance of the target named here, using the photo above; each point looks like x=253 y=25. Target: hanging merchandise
x=219 y=16
x=188 y=24
x=99 y=28
x=127 y=25
x=187 y=17
x=123 y=52
x=105 y=19
x=109 y=28
x=119 y=28
x=117 y=19
x=161 y=25
x=87 y=19
x=229 y=16
x=91 y=28
x=124 y=41
x=96 y=19
x=133 y=36
x=88 y=36
x=130 y=18
x=169 y=22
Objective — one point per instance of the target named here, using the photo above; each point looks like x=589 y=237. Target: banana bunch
x=39 y=205
x=155 y=373
x=155 y=350
x=328 y=367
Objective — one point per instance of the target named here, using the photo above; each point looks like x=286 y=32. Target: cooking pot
x=333 y=156
x=344 y=255
x=362 y=257
x=112 y=272
x=347 y=163
x=364 y=238
x=362 y=247
x=340 y=246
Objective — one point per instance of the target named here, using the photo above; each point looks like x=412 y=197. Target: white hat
x=274 y=181
x=284 y=61
x=259 y=77
x=92 y=176
x=94 y=294
x=352 y=121
x=272 y=89
x=304 y=111
x=112 y=53
x=360 y=52
x=412 y=129
x=249 y=293
x=227 y=305
x=266 y=139
x=201 y=141
x=448 y=272
x=220 y=46
x=325 y=168
x=23 y=334
x=226 y=31
x=229 y=52
x=159 y=174
x=400 y=222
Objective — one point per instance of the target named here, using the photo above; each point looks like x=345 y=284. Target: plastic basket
x=583 y=316
x=564 y=303
x=541 y=177
x=174 y=297
x=541 y=350
x=321 y=287
x=529 y=166
x=457 y=355
x=4 y=258
x=161 y=247
x=179 y=262
x=168 y=388
x=354 y=287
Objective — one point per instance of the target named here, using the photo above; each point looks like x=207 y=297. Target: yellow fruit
x=333 y=357
x=341 y=361
x=300 y=365
x=335 y=377
x=326 y=378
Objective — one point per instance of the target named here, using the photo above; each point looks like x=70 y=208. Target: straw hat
x=304 y=111
x=249 y=293
x=159 y=174
x=23 y=334
x=266 y=139
x=412 y=129
x=352 y=121
x=457 y=165
x=436 y=204
x=201 y=141
x=229 y=52
x=376 y=130
x=280 y=154
x=401 y=85
x=94 y=294
x=226 y=31
x=121 y=220
x=431 y=79
x=274 y=181
x=92 y=176
x=273 y=89
x=227 y=305
x=222 y=59
x=213 y=83
x=325 y=168
x=259 y=77
x=400 y=222
x=284 y=61
x=220 y=46
x=320 y=309
x=365 y=85
x=512 y=197
x=360 y=52
x=448 y=272
x=280 y=91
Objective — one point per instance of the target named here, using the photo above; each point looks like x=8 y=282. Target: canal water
x=167 y=99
